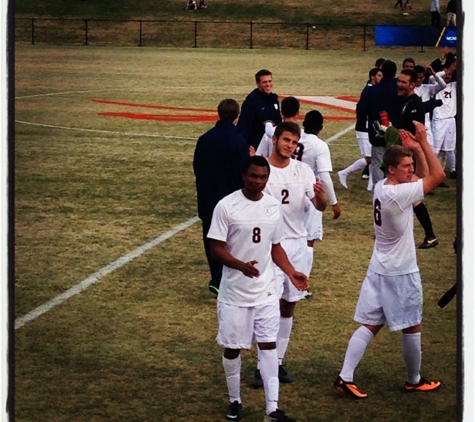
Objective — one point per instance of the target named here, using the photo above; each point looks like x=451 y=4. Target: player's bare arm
x=320 y=199
x=436 y=173
x=298 y=279
x=222 y=255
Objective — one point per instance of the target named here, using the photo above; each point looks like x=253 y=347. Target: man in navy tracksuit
x=377 y=98
x=218 y=163
x=260 y=106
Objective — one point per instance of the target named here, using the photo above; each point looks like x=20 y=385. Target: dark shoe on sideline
x=256 y=381
x=213 y=289
x=443 y=185
x=284 y=377
x=429 y=242
x=278 y=416
x=234 y=411
x=453 y=175
x=308 y=295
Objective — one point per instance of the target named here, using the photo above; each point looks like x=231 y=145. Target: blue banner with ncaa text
x=417 y=36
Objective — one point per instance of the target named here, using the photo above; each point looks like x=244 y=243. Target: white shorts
x=296 y=250
x=313 y=222
x=363 y=142
x=392 y=300
x=240 y=326
x=430 y=138
x=444 y=132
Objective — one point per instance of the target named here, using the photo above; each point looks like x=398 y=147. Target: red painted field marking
x=194 y=117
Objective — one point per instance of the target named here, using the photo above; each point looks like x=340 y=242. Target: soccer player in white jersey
x=290 y=108
x=290 y=181
x=427 y=91
x=315 y=152
x=444 y=128
x=392 y=291
x=245 y=235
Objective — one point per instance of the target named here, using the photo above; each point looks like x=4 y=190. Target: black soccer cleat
x=284 y=377
x=256 y=380
x=429 y=242
x=278 y=416
x=234 y=411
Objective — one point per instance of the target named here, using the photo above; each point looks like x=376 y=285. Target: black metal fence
x=192 y=34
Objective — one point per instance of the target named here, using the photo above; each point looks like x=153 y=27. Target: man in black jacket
x=218 y=162
x=260 y=106
x=373 y=100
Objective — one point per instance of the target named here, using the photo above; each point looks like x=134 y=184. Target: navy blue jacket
x=361 y=124
x=218 y=162
x=377 y=98
x=257 y=108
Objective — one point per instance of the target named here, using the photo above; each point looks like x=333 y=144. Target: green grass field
x=138 y=345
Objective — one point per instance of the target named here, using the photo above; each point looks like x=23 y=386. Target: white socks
x=268 y=367
x=357 y=165
x=355 y=351
x=232 y=369
x=451 y=160
x=411 y=352
x=283 y=337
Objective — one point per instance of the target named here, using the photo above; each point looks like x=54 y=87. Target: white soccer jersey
x=449 y=102
x=316 y=153
x=290 y=185
x=426 y=92
x=394 y=251
x=249 y=228
x=266 y=145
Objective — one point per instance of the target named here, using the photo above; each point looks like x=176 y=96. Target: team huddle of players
x=262 y=186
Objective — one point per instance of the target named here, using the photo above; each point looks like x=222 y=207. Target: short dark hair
x=262 y=72
x=290 y=107
x=313 y=121
x=411 y=73
x=374 y=71
x=379 y=62
x=228 y=110
x=389 y=69
x=291 y=127
x=257 y=160
x=408 y=60
x=393 y=155
x=419 y=69
x=449 y=59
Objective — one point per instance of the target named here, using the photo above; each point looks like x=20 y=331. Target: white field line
x=109 y=132
x=93 y=278
x=114 y=132
x=341 y=133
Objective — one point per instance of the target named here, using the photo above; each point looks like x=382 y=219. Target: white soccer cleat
x=342 y=177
